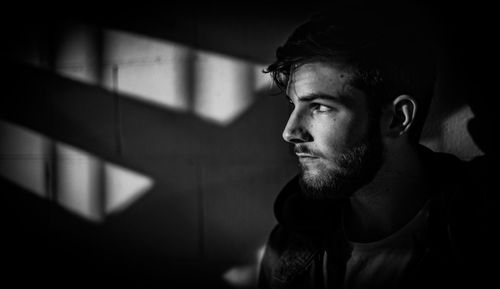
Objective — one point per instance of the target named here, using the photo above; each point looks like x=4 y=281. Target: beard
x=354 y=168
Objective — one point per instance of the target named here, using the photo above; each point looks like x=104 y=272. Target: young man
x=370 y=208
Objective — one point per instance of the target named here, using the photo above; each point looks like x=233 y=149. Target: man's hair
x=387 y=56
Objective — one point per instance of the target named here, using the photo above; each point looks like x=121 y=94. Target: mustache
x=306 y=150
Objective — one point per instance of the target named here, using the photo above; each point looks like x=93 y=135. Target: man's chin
x=315 y=186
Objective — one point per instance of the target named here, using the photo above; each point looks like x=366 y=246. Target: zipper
x=325 y=270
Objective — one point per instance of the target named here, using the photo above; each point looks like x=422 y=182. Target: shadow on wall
x=213 y=187
x=214 y=173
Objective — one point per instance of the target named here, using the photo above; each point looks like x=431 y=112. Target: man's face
x=336 y=141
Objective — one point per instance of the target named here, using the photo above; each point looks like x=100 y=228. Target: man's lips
x=305 y=155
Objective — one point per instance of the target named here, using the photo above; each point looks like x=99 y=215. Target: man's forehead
x=318 y=77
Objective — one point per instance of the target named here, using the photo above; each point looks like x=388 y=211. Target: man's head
x=354 y=83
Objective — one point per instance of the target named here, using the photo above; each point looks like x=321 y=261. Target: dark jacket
x=448 y=258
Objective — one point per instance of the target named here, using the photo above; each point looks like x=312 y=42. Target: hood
x=310 y=217
x=303 y=216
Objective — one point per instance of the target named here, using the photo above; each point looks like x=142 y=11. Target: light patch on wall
x=224 y=87
x=454 y=138
x=216 y=87
x=148 y=69
x=457 y=139
x=23 y=157
x=167 y=74
x=93 y=188
x=78 y=182
x=123 y=187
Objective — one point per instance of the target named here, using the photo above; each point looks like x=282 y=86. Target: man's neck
x=391 y=200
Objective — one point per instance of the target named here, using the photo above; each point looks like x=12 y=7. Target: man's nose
x=296 y=129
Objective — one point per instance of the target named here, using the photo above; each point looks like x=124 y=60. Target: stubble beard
x=353 y=169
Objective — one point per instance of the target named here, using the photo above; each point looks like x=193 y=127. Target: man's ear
x=400 y=115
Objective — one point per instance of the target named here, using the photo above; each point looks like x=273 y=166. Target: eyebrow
x=340 y=98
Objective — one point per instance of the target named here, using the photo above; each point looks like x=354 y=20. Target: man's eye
x=321 y=108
